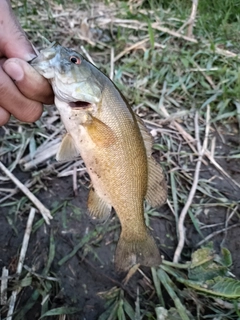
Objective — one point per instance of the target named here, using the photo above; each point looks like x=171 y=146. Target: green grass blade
x=157 y=285
x=168 y=284
x=60 y=311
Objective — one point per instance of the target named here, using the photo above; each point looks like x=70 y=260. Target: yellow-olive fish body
x=115 y=146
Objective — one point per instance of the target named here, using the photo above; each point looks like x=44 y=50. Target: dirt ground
x=91 y=270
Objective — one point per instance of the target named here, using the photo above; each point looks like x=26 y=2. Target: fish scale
x=115 y=146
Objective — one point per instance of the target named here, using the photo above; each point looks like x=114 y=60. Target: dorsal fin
x=157 y=188
x=147 y=137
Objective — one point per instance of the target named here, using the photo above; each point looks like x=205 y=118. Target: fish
x=115 y=146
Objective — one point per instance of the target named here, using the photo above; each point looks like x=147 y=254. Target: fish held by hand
x=115 y=146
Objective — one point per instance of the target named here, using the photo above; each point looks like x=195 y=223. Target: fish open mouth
x=80 y=105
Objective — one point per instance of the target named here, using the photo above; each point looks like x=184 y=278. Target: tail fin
x=129 y=253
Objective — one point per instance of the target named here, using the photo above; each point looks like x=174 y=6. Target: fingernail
x=29 y=56
x=14 y=70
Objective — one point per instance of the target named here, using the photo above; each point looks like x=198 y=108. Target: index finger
x=13 y=40
x=15 y=103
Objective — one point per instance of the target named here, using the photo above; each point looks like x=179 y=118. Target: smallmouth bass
x=115 y=146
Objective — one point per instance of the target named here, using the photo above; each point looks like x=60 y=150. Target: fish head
x=71 y=77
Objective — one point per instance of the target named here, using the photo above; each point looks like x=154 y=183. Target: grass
x=166 y=79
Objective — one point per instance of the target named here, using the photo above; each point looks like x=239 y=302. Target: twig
x=208 y=78
x=229 y=217
x=28 y=184
x=70 y=172
x=21 y=260
x=134 y=46
x=136 y=25
x=192 y=18
x=227 y=305
x=172 y=33
x=214 y=162
x=213 y=146
x=210 y=236
x=74 y=175
x=226 y=53
x=189 y=139
x=40 y=156
x=4 y=285
x=40 y=276
x=181 y=228
x=111 y=75
x=87 y=55
x=43 y=210
x=130 y=273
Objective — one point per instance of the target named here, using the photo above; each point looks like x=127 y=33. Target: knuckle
x=30 y=112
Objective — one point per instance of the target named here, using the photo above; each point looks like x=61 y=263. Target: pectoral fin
x=67 y=150
x=157 y=187
x=101 y=134
x=97 y=207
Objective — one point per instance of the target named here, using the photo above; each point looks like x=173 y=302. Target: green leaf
x=151 y=34
x=84 y=240
x=110 y=313
x=219 y=286
x=201 y=256
x=129 y=310
x=25 y=282
x=168 y=284
x=226 y=257
x=157 y=285
x=224 y=287
x=51 y=254
x=207 y=265
x=60 y=311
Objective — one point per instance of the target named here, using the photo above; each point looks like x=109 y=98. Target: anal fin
x=67 y=150
x=157 y=187
x=97 y=207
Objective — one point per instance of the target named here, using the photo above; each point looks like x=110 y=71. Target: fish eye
x=75 y=60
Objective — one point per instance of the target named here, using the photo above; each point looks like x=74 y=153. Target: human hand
x=22 y=89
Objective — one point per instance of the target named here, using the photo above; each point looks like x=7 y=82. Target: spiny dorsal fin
x=67 y=150
x=147 y=137
x=157 y=187
x=101 y=134
x=98 y=208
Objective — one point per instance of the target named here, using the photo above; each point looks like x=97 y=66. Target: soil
x=91 y=270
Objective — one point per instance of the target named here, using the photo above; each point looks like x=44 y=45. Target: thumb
x=13 y=40
x=28 y=80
